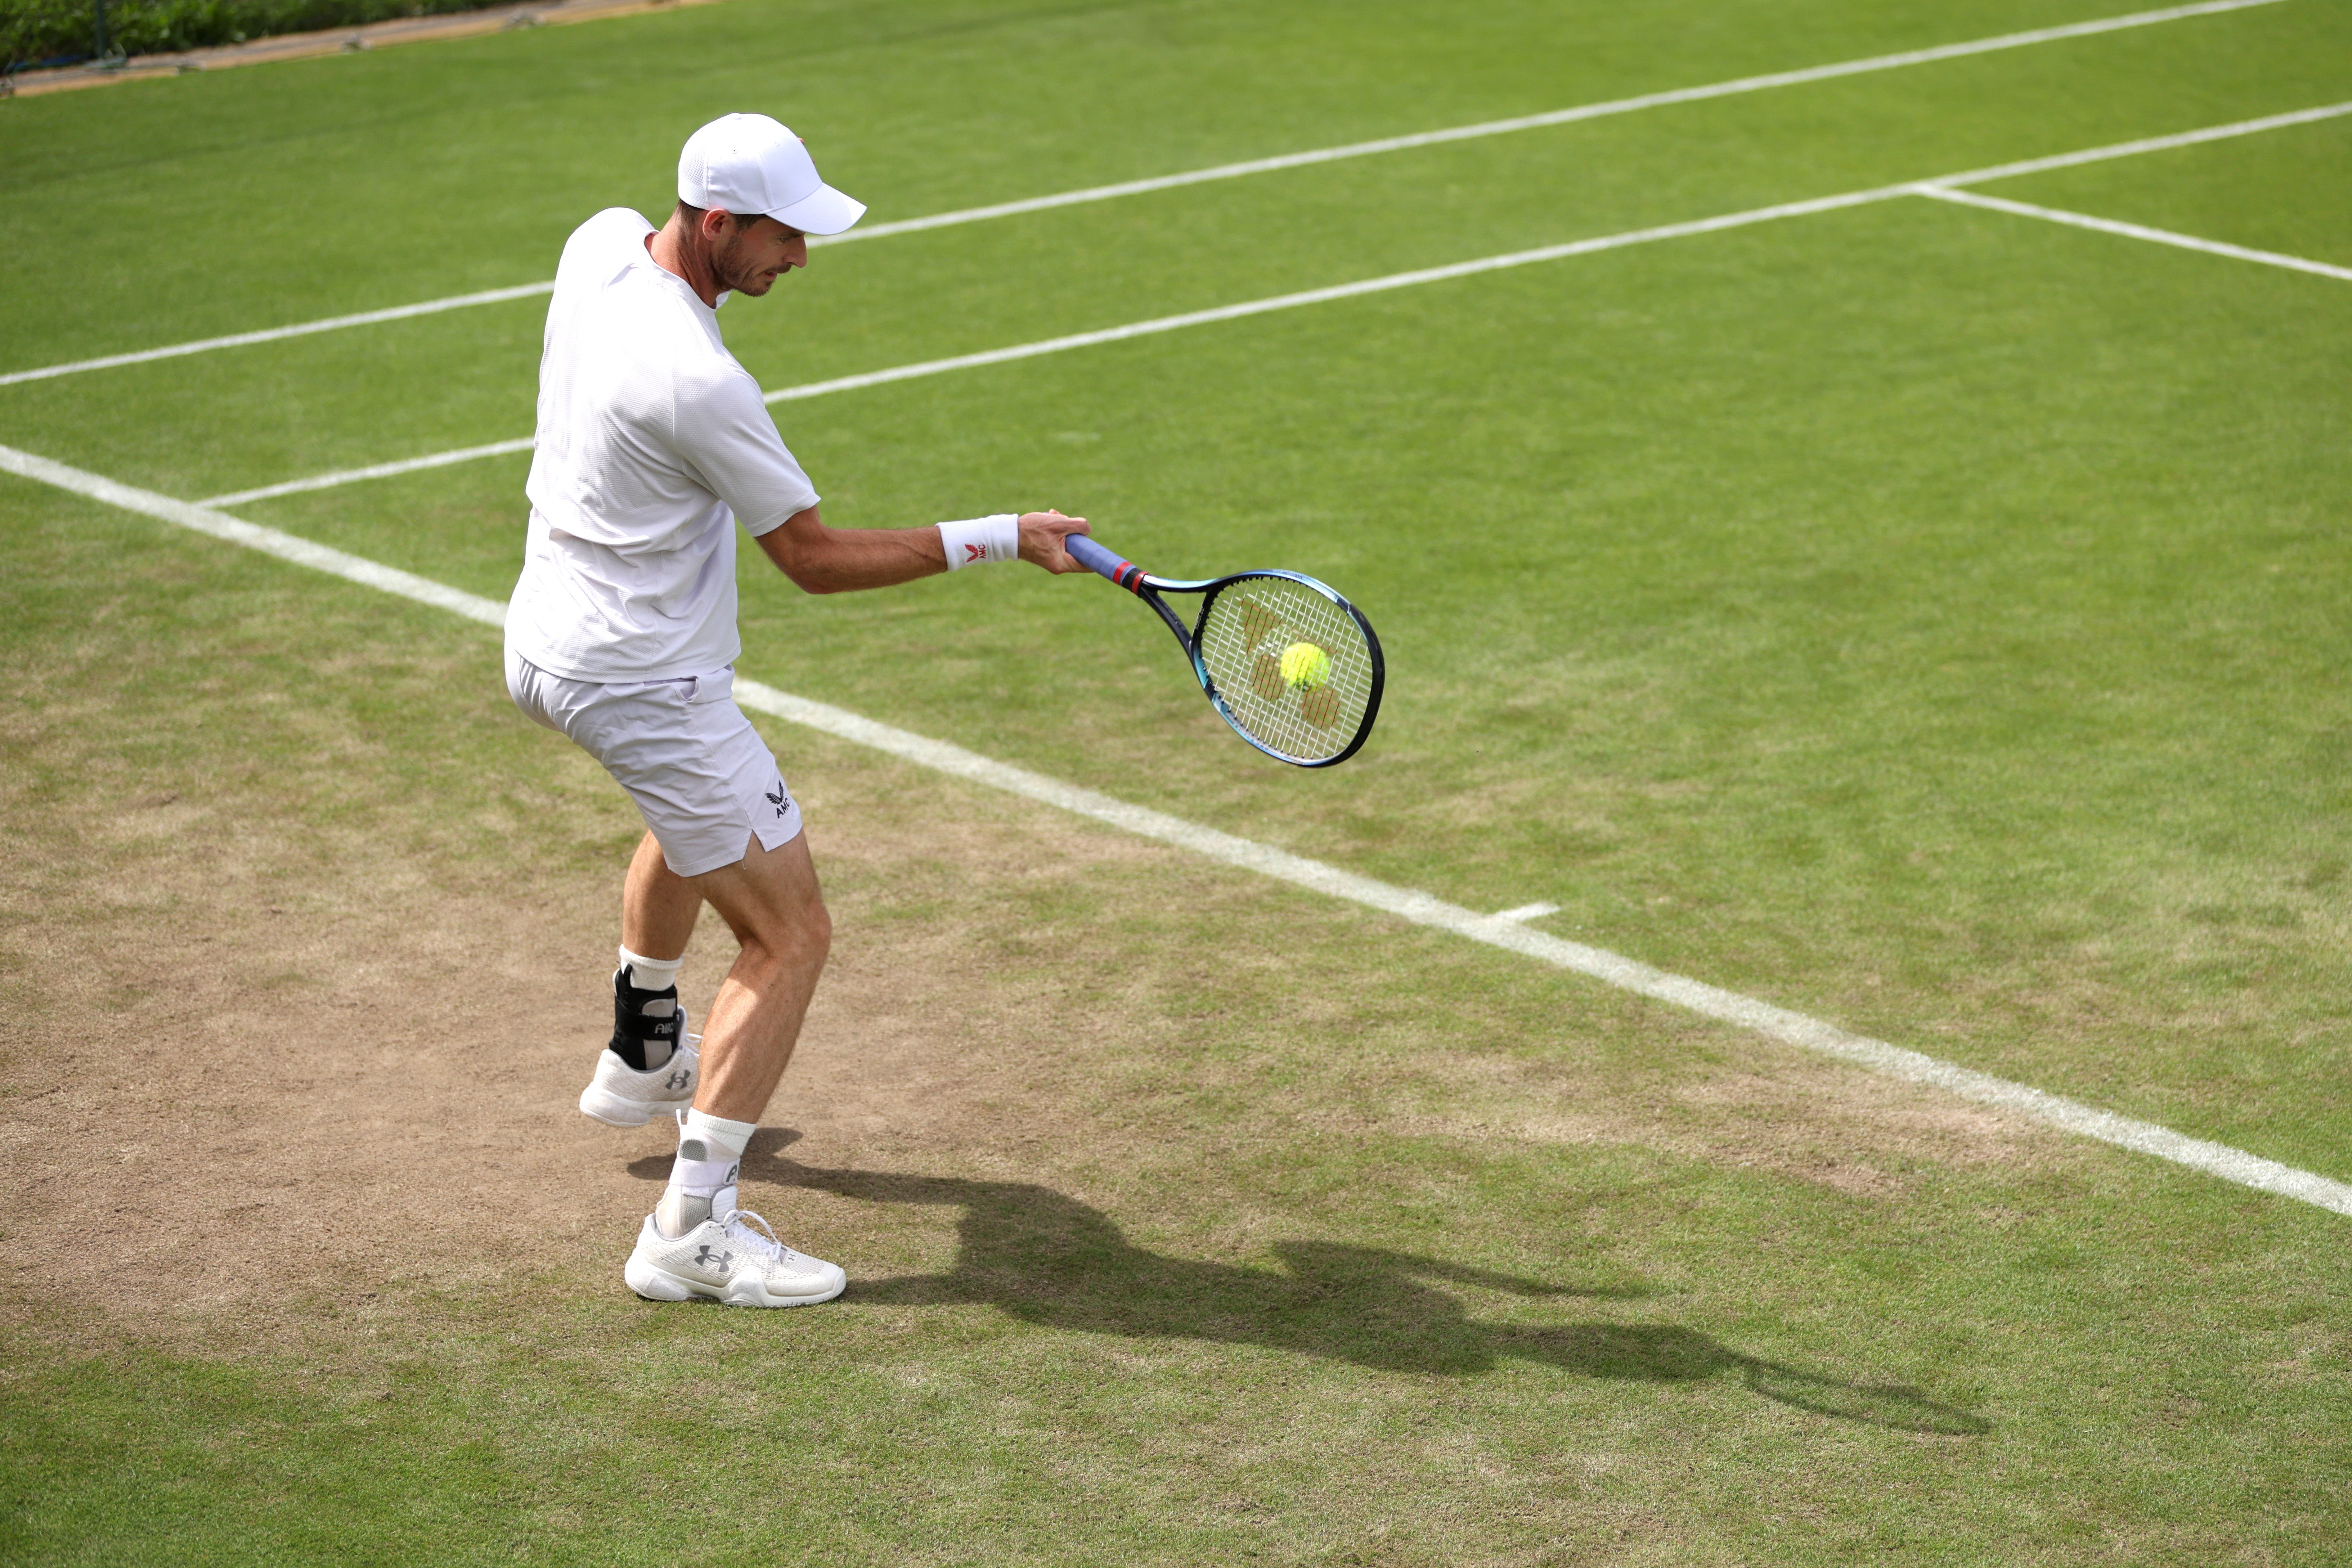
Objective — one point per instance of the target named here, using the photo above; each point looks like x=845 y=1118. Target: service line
x=1237 y=171
x=374 y=471
x=1942 y=185
x=2136 y=231
x=272 y=334
x=1502 y=931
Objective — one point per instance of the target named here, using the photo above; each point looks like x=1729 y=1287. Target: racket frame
x=1145 y=586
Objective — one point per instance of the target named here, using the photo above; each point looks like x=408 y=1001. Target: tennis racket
x=1294 y=668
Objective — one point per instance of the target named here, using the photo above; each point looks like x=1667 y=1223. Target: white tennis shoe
x=725 y=1259
x=621 y=1096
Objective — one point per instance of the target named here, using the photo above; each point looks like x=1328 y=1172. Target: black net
x=1296 y=668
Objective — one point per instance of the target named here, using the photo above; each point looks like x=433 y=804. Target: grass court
x=1926 y=617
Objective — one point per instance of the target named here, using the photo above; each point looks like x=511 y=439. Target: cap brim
x=823 y=211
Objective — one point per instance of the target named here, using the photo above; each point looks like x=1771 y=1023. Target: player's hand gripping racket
x=1289 y=664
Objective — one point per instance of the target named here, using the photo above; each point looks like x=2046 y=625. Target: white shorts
x=702 y=778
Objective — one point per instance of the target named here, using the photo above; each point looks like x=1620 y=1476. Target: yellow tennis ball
x=1305 y=666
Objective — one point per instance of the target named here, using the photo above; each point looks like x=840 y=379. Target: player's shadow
x=1046 y=1258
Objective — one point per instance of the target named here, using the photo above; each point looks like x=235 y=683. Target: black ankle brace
x=633 y=1028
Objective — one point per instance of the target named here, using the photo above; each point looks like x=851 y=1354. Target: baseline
x=1369 y=286
x=1237 y=171
x=1780 y=1024
x=2136 y=231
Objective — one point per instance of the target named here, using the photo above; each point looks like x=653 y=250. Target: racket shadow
x=1044 y=1257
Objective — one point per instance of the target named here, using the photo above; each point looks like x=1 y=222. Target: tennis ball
x=1305 y=666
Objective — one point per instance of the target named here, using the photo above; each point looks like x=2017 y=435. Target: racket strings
x=1295 y=668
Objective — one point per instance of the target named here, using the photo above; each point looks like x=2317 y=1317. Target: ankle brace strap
x=646 y=1017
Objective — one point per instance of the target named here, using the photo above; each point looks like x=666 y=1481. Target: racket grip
x=1105 y=562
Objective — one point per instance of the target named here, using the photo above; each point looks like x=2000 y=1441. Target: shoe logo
x=677 y=1079
x=779 y=799
x=719 y=1262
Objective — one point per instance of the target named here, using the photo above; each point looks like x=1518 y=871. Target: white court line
x=2138 y=231
x=271 y=335
x=1534 y=911
x=1131 y=329
x=1371 y=286
x=1761 y=1017
x=2145 y=144
x=1560 y=116
x=374 y=471
x=1134 y=330
x=253 y=536
x=1251 y=166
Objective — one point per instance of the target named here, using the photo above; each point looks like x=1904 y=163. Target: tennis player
x=652 y=445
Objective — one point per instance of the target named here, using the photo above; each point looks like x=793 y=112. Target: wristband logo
x=973 y=553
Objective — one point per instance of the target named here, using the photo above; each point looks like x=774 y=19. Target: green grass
x=1922 y=617
x=1272 y=1285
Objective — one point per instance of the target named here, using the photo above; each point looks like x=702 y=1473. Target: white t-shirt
x=650 y=438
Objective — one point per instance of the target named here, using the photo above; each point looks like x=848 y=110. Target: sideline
x=1235 y=170
x=1941 y=186
x=1501 y=931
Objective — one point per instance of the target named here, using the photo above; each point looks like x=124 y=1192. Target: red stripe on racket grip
x=1098 y=558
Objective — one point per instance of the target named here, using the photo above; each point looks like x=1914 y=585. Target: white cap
x=749 y=165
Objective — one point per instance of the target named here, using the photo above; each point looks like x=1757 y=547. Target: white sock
x=717 y=1135
x=702 y=1179
x=651 y=974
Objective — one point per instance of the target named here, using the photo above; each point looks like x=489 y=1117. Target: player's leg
x=649 y=1067
x=722 y=826
x=770 y=899
x=698 y=1241
x=659 y=906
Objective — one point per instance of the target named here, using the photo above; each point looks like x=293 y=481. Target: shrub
x=59 y=32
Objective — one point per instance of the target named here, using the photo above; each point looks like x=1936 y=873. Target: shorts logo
x=777 y=798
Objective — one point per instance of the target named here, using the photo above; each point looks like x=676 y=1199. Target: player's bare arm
x=821 y=560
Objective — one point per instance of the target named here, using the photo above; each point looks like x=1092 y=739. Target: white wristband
x=979 y=539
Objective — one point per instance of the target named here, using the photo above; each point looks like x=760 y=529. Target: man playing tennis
x=652 y=442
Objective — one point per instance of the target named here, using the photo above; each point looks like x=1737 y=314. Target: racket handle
x=1097 y=559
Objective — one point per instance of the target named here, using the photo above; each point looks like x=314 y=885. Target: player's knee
x=799 y=938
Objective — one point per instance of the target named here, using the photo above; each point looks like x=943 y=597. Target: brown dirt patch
x=262 y=1079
